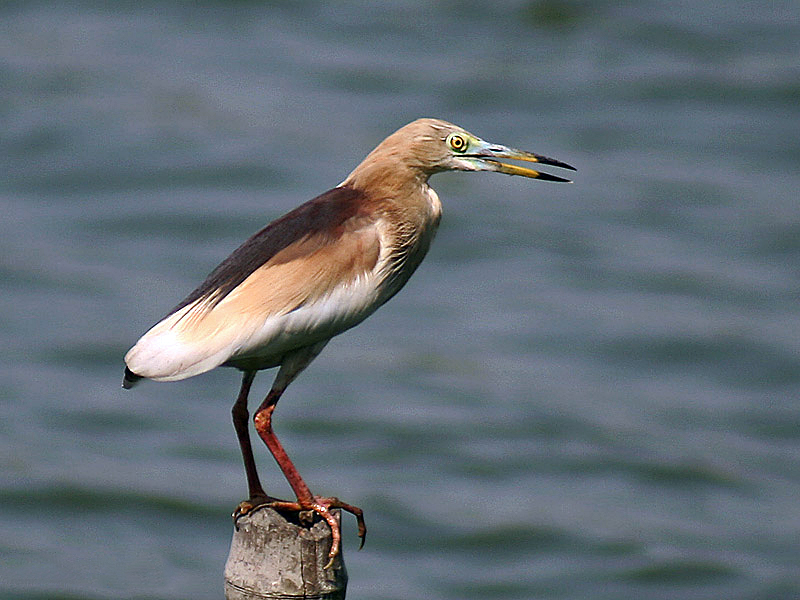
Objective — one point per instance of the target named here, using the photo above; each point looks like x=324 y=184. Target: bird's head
x=427 y=146
x=432 y=145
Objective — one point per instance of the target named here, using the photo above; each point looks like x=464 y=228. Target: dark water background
x=586 y=391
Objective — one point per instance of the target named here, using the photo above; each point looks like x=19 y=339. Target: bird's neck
x=407 y=212
x=389 y=178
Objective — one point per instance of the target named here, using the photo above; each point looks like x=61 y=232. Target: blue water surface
x=586 y=391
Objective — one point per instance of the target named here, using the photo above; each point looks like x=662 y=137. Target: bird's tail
x=130 y=379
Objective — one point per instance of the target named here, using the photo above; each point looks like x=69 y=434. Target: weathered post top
x=272 y=558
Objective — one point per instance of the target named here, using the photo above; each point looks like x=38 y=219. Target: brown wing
x=303 y=278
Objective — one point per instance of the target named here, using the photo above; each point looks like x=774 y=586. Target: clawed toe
x=357 y=513
x=246 y=507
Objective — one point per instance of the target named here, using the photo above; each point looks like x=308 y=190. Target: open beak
x=484 y=159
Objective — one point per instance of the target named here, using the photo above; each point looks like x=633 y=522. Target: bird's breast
x=406 y=236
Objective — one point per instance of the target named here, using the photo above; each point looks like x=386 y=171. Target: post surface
x=272 y=558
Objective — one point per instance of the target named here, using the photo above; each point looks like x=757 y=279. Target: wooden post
x=272 y=558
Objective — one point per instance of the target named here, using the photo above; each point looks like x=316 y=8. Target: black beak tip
x=548 y=177
x=556 y=163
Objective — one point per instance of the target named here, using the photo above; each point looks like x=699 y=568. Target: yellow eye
x=457 y=142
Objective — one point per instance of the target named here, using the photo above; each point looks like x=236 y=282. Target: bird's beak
x=482 y=158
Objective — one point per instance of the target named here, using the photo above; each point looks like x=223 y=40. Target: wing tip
x=130 y=379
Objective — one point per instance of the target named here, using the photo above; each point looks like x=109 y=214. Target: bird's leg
x=263 y=423
x=292 y=365
x=241 y=420
x=305 y=500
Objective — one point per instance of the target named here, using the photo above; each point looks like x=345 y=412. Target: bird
x=308 y=276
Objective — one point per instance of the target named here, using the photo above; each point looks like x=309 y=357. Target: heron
x=311 y=274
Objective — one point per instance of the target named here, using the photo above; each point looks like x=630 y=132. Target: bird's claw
x=357 y=513
x=251 y=504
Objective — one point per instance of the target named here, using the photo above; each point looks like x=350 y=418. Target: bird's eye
x=457 y=142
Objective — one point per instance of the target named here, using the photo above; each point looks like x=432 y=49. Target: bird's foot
x=247 y=506
x=322 y=507
x=305 y=514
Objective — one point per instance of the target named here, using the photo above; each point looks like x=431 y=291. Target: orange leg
x=293 y=363
x=305 y=500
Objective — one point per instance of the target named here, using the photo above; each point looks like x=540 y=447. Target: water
x=585 y=391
